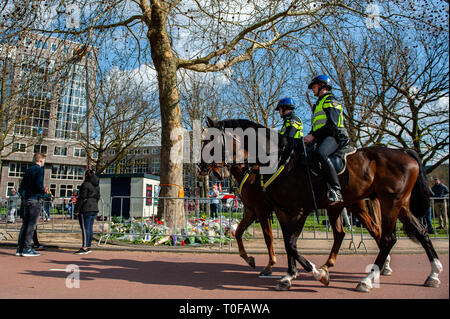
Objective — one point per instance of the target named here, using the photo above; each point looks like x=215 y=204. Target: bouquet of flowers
x=154 y=232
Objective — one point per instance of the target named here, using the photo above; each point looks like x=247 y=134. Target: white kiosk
x=129 y=195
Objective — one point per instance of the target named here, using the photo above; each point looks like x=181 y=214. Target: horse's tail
x=421 y=193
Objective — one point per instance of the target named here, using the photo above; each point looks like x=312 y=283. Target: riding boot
x=334 y=195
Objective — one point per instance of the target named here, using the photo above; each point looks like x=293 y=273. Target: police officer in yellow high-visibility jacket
x=328 y=132
x=292 y=128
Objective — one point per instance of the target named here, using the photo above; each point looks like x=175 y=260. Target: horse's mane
x=239 y=123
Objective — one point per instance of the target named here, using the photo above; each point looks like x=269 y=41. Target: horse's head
x=235 y=142
x=213 y=140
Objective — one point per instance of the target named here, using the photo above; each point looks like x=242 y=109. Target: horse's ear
x=210 y=122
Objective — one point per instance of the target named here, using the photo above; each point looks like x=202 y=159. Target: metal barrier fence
x=133 y=219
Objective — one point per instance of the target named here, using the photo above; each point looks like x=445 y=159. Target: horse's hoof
x=251 y=262
x=432 y=282
x=325 y=278
x=386 y=271
x=283 y=285
x=266 y=272
x=363 y=287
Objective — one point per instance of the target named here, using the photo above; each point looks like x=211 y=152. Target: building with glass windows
x=46 y=111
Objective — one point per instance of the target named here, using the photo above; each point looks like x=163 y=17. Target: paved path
x=149 y=275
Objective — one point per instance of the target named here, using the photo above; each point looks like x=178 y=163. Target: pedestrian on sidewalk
x=86 y=209
x=31 y=190
x=440 y=191
x=48 y=200
x=214 y=204
x=13 y=203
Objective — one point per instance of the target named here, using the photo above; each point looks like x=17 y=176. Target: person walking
x=31 y=190
x=72 y=203
x=86 y=209
x=328 y=132
x=13 y=204
x=441 y=192
x=214 y=205
x=48 y=199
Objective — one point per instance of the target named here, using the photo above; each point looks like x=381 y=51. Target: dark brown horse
x=394 y=177
x=252 y=196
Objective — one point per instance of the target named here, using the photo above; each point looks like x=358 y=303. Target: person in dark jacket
x=292 y=129
x=31 y=190
x=87 y=209
x=440 y=191
x=328 y=132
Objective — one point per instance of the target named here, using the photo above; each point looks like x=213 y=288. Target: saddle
x=338 y=158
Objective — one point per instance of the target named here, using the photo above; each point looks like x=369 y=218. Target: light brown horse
x=392 y=176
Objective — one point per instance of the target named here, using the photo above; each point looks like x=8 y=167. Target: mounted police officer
x=328 y=132
x=292 y=128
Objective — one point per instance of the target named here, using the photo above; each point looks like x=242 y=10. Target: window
x=140 y=166
x=146 y=151
x=9 y=188
x=67 y=172
x=155 y=151
x=40 y=148
x=60 y=151
x=155 y=167
x=65 y=190
x=34 y=104
x=17 y=169
x=19 y=147
x=125 y=166
x=53 y=189
x=111 y=169
x=79 y=152
x=71 y=111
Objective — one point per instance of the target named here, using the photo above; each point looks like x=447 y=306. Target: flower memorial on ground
x=152 y=231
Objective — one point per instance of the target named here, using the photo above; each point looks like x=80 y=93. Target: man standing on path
x=440 y=191
x=31 y=190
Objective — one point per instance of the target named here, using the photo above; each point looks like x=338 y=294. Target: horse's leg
x=390 y=210
x=372 y=222
x=338 y=237
x=268 y=237
x=247 y=219
x=414 y=227
x=291 y=232
x=286 y=228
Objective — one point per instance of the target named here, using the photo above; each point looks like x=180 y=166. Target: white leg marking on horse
x=436 y=269
x=433 y=278
x=374 y=275
x=317 y=274
x=387 y=270
x=287 y=278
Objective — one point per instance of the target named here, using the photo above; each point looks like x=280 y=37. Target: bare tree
x=257 y=85
x=392 y=79
x=203 y=36
x=124 y=115
x=416 y=79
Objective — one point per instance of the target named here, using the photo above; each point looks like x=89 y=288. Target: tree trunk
x=170 y=206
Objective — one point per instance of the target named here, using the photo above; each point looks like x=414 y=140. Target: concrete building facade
x=52 y=108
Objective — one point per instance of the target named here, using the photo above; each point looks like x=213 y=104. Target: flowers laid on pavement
x=196 y=231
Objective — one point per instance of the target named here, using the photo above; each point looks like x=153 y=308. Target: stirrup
x=334 y=197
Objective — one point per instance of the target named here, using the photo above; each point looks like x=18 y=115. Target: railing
x=134 y=219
